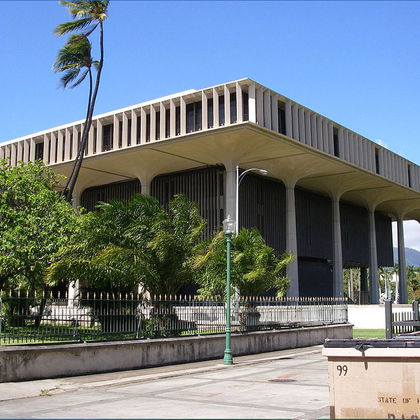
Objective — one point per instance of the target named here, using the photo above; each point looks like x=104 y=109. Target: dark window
x=282 y=120
x=221 y=110
x=120 y=134
x=147 y=127
x=129 y=133
x=233 y=116
x=157 y=125
x=177 y=121
x=95 y=136
x=190 y=117
x=198 y=118
x=71 y=145
x=107 y=134
x=377 y=168
x=138 y=133
x=167 y=123
x=245 y=106
x=409 y=175
x=39 y=151
x=64 y=148
x=193 y=117
x=210 y=113
x=336 y=146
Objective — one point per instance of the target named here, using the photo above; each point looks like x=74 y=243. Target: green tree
x=255 y=268
x=125 y=244
x=413 y=282
x=34 y=223
x=75 y=60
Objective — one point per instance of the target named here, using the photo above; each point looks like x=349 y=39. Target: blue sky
x=354 y=62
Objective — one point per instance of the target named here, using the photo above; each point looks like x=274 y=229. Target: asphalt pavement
x=284 y=384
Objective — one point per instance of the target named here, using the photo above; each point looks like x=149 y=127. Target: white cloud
x=411 y=234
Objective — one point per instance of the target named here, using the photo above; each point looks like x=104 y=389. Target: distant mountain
x=412 y=256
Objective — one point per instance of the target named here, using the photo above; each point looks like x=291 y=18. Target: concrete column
x=363 y=297
x=60 y=145
x=26 y=146
x=183 y=115
x=227 y=104
x=75 y=146
x=152 y=123
x=115 y=132
x=19 y=156
x=146 y=184
x=230 y=190
x=172 y=115
x=46 y=149
x=162 y=122
x=341 y=143
x=76 y=198
x=302 y=131
x=252 y=106
x=291 y=240
x=373 y=259
x=267 y=109
x=326 y=146
x=308 y=137
x=31 y=151
x=133 y=127
x=330 y=138
x=99 y=136
x=320 y=141
x=402 y=274
x=204 y=111
x=124 y=140
x=13 y=154
x=288 y=117
x=215 y=108
x=338 y=287
x=53 y=147
x=295 y=122
x=239 y=107
x=314 y=132
x=142 y=126
x=275 y=113
x=260 y=107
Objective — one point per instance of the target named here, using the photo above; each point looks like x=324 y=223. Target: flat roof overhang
x=250 y=145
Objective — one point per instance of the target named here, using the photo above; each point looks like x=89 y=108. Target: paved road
x=284 y=384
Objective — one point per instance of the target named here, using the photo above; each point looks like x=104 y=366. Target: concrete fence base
x=49 y=361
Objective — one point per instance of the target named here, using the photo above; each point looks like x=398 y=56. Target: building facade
x=329 y=197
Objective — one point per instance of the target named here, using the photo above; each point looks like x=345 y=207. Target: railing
x=401 y=322
x=25 y=319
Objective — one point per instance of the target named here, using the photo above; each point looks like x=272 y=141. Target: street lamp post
x=229 y=229
x=239 y=179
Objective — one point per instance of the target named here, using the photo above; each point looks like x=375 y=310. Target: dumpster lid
x=365 y=343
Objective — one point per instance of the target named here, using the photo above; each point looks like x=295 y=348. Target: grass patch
x=368 y=333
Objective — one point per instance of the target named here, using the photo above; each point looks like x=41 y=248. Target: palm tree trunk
x=81 y=150
x=88 y=123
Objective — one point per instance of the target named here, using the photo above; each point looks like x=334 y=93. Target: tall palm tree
x=75 y=56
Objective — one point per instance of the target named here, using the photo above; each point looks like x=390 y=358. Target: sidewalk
x=283 y=384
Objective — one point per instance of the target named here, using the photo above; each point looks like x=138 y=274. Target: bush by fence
x=32 y=319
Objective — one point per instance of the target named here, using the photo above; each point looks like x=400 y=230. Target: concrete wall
x=372 y=316
x=36 y=362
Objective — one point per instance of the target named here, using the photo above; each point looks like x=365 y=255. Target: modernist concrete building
x=329 y=197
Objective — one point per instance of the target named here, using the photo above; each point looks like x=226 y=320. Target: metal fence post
x=388 y=319
x=415 y=313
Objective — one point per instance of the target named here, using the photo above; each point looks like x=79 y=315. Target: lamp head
x=229 y=225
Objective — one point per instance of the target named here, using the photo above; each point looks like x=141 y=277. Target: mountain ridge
x=412 y=256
